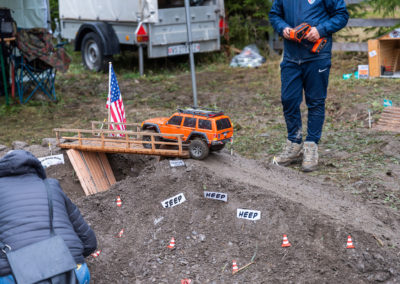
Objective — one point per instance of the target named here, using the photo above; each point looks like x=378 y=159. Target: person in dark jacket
x=303 y=70
x=24 y=213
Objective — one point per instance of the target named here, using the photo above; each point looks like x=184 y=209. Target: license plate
x=182 y=49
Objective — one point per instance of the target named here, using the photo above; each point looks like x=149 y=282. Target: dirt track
x=316 y=216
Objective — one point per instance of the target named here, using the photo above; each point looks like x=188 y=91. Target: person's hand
x=313 y=35
x=286 y=33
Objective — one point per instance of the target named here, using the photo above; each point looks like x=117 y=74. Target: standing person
x=303 y=70
x=24 y=213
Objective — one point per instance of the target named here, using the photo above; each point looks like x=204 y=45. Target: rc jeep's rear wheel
x=217 y=147
x=198 y=149
x=148 y=138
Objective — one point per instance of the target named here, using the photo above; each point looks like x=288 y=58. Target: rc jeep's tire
x=92 y=52
x=148 y=138
x=198 y=149
x=217 y=147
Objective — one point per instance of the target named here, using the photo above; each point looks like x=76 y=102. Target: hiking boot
x=291 y=153
x=310 y=157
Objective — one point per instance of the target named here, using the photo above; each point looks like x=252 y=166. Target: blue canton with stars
x=115 y=93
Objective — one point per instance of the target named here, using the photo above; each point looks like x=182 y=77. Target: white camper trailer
x=101 y=28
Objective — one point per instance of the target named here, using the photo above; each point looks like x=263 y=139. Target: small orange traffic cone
x=285 y=242
x=186 y=281
x=119 y=202
x=96 y=253
x=349 y=243
x=171 y=244
x=234 y=267
x=120 y=233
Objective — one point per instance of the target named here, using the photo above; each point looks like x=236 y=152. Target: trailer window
x=175 y=120
x=163 y=4
x=223 y=124
x=205 y=124
x=190 y=122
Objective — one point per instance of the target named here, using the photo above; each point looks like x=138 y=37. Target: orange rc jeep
x=203 y=130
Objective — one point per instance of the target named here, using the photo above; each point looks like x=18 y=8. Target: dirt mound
x=317 y=217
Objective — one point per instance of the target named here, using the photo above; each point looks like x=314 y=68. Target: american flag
x=114 y=102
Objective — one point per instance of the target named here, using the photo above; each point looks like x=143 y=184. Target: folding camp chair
x=33 y=76
x=36 y=64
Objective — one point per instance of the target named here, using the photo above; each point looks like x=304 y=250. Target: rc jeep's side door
x=188 y=126
x=172 y=126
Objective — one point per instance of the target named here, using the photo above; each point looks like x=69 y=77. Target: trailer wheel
x=92 y=52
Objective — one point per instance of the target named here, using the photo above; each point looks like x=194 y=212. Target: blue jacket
x=24 y=213
x=328 y=16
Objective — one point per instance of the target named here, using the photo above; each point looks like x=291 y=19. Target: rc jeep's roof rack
x=207 y=112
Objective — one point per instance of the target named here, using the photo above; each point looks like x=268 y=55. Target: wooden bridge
x=124 y=142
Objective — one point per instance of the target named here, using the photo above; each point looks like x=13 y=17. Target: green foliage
x=248 y=20
x=387 y=7
x=53 y=12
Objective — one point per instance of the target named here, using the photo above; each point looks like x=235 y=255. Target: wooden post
x=58 y=137
x=80 y=138
x=153 y=147
x=180 y=145
x=127 y=141
x=102 y=139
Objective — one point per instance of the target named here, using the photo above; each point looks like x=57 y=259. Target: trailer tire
x=92 y=51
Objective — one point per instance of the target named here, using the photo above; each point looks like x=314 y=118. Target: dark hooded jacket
x=328 y=16
x=24 y=212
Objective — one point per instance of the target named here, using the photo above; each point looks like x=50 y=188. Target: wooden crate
x=390 y=120
x=384 y=51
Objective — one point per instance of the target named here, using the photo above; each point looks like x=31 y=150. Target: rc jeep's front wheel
x=198 y=149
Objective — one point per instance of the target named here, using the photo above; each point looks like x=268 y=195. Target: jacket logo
x=311 y=1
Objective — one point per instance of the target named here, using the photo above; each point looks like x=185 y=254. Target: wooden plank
x=120 y=144
x=354 y=22
x=101 y=183
x=81 y=171
x=107 y=168
x=373 y=58
x=93 y=170
x=396 y=64
x=336 y=46
x=142 y=151
x=349 y=2
x=350 y=46
x=390 y=120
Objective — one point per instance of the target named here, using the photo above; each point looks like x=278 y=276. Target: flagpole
x=109 y=97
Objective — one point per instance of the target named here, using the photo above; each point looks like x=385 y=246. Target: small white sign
x=52 y=160
x=372 y=53
x=363 y=71
x=176 y=163
x=171 y=202
x=216 y=195
x=248 y=214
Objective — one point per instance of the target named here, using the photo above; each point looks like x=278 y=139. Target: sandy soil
x=317 y=217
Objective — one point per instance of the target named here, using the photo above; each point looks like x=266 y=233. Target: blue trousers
x=82 y=274
x=312 y=77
